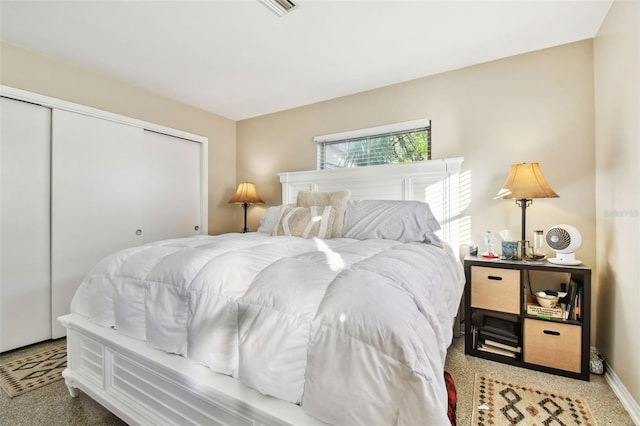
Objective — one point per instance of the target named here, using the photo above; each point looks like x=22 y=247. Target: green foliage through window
x=396 y=147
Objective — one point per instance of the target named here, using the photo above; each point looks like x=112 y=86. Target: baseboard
x=621 y=392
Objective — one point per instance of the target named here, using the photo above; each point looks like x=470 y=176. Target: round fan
x=565 y=240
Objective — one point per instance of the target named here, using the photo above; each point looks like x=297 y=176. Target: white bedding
x=354 y=331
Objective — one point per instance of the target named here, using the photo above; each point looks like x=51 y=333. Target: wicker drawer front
x=496 y=289
x=552 y=344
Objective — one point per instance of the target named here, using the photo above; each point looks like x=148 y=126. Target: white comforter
x=354 y=331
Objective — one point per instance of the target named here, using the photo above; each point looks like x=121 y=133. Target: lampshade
x=525 y=181
x=246 y=193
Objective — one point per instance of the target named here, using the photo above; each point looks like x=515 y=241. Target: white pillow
x=337 y=200
x=269 y=219
x=405 y=221
x=306 y=222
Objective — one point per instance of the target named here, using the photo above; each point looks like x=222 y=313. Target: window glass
x=393 y=147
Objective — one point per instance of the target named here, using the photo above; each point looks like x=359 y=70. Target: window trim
x=405 y=126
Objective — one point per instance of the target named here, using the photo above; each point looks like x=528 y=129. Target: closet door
x=97 y=178
x=172 y=201
x=25 y=303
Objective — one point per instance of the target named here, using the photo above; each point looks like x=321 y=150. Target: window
x=397 y=143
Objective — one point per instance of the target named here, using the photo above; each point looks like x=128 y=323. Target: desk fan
x=565 y=240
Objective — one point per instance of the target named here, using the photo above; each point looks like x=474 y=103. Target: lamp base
x=523 y=204
x=244 y=228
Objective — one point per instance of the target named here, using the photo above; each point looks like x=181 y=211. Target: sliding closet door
x=97 y=168
x=25 y=309
x=172 y=201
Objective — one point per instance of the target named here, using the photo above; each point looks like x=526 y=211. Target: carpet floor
x=604 y=404
x=51 y=405
x=33 y=371
x=498 y=401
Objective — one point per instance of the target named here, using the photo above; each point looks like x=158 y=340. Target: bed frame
x=147 y=386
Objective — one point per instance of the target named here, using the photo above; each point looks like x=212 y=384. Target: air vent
x=279 y=7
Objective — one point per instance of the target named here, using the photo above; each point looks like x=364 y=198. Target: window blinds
x=395 y=146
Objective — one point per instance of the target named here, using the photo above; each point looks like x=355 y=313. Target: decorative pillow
x=306 y=222
x=269 y=219
x=405 y=221
x=338 y=200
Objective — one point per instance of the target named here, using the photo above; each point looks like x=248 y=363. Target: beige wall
x=45 y=76
x=536 y=107
x=617 y=90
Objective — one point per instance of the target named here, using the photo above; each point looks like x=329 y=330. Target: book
x=500 y=326
x=512 y=341
x=486 y=348
x=474 y=335
x=572 y=291
x=493 y=343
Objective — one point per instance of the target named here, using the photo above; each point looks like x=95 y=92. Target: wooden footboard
x=147 y=386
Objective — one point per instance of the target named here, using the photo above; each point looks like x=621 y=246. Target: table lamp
x=525 y=182
x=246 y=194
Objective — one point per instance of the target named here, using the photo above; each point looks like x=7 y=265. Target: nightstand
x=504 y=324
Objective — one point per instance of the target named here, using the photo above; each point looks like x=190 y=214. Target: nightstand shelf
x=498 y=328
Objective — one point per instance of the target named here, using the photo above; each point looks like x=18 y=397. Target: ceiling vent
x=279 y=7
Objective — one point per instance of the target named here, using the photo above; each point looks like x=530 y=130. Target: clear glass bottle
x=538 y=243
x=489 y=247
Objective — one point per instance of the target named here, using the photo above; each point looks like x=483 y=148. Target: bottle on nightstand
x=489 y=247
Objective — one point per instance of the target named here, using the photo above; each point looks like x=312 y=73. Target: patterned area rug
x=33 y=371
x=496 y=402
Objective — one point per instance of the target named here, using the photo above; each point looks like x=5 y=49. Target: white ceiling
x=239 y=60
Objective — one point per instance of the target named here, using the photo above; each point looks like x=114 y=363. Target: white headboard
x=435 y=182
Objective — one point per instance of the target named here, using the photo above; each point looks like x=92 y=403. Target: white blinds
x=353 y=149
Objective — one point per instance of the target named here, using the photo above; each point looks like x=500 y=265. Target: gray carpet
x=51 y=405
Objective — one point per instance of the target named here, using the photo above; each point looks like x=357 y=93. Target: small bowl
x=546 y=301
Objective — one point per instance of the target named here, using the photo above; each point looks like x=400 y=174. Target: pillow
x=404 y=221
x=306 y=222
x=269 y=220
x=338 y=200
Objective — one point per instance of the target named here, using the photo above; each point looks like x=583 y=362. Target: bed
x=338 y=311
